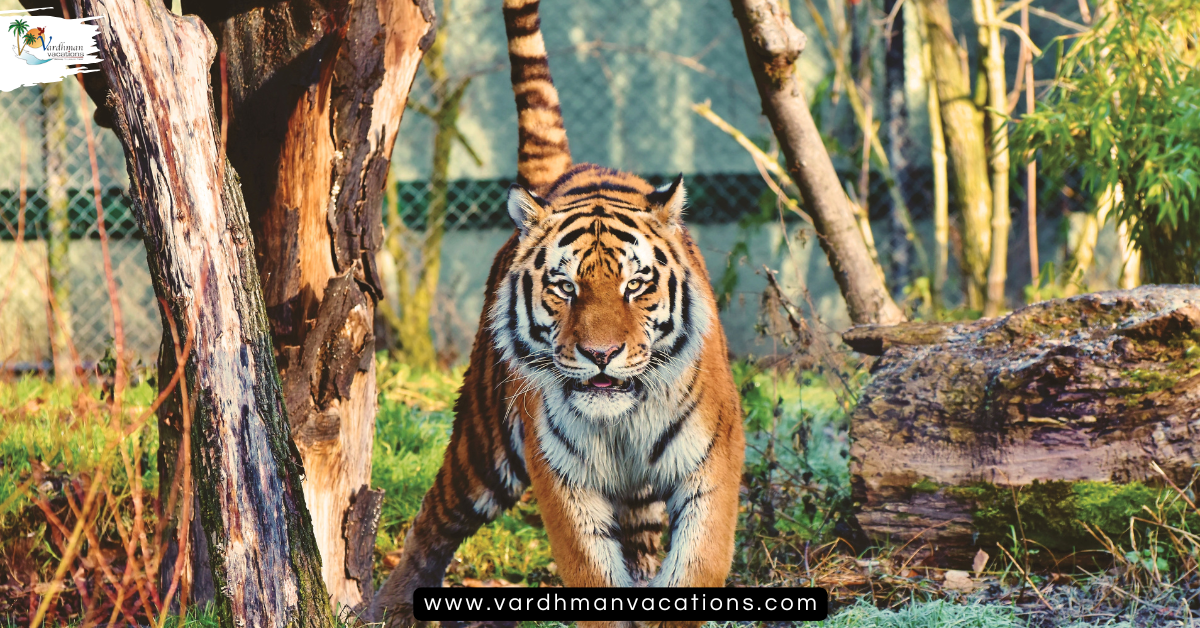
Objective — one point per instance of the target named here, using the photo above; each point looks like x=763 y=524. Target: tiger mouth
x=603 y=384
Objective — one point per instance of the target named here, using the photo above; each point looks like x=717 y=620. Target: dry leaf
x=977 y=565
x=958 y=581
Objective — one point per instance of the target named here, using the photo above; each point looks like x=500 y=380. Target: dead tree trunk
x=201 y=257
x=773 y=43
x=317 y=90
x=1095 y=387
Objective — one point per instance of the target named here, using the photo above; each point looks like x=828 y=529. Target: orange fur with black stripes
x=599 y=375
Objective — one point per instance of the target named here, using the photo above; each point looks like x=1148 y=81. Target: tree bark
x=773 y=43
x=201 y=257
x=997 y=93
x=317 y=90
x=937 y=158
x=965 y=145
x=1095 y=387
x=896 y=63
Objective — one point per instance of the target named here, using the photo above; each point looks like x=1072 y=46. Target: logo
x=44 y=49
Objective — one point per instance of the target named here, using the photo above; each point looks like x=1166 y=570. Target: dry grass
x=85 y=544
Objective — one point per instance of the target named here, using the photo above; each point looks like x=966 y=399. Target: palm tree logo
x=20 y=28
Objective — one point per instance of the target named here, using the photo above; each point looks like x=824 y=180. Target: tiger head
x=605 y=301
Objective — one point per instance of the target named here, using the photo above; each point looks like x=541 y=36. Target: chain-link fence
x=629 y=73
x=53 y=270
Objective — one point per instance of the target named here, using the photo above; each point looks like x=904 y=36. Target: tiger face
x=600 y=308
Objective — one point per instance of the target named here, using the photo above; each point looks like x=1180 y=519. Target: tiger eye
x=633 y=285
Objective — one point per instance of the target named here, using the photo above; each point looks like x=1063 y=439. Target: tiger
x=599 y=375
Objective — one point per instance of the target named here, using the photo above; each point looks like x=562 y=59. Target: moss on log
x=1091 y=389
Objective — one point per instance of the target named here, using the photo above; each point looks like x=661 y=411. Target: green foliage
x=1051 y=284
x=797 y=468
x=1123 y=112
x=935 y=614
x=1057 y=515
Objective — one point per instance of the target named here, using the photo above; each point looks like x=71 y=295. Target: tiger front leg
x=703 y=520
x=479 y=479
x=584 y=532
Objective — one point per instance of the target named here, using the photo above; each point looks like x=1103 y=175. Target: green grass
x=797 y=472
x=55 y=428
x=797 y=484
x=933 y=614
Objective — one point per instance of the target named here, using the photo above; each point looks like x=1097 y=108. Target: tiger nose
x=600 y=355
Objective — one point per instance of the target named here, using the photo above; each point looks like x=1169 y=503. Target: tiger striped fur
x=599 y=375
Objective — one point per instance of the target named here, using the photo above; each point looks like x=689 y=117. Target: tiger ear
x=524 y=207
x=666 y=202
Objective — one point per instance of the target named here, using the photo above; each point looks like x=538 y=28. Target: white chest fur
x=655 y=446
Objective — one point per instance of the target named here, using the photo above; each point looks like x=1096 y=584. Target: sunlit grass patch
x=422 y=389
x=61 y=430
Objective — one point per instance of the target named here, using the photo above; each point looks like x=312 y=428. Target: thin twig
x=1058 y=19
x=1020 y=33
x=1025 y=575
x=68 y=555
x=118 y=323
x=1011 y=9
x=761 y=159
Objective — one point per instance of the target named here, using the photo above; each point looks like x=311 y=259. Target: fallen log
x=958 y=419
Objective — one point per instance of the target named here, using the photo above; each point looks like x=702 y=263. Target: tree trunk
x=773 y=43
x=1091 y=388
x=1082 y=248
x=1131 y=258
x=58 y=230
x=899 y=144
x=316 y=91
x=997 y=93
x=937 y=158
x=963 y=126
x=189 y=206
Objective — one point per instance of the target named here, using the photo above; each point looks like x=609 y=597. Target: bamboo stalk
x=993 y=64
x=1031 y=167
x=835 y=49
x=962 y=126
x=941 y=197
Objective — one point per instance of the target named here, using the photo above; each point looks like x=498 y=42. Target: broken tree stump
x=266 y=566
x=1092 y=388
